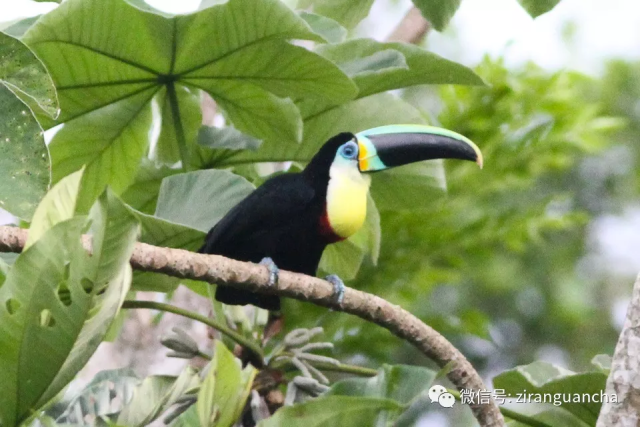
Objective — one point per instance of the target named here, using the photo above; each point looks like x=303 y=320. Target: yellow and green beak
x=396 y=145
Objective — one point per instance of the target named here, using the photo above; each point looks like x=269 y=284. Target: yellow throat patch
x=347 y=199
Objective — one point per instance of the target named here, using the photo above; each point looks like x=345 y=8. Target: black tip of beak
x=396 y=149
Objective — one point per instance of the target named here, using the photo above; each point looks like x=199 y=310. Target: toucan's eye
x=349 y=150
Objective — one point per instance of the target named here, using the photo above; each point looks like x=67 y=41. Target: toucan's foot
x=338 y=287
x=273 y=270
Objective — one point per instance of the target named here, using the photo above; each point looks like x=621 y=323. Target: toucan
x=290 y=219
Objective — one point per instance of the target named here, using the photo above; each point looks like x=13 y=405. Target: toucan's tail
x=231 y=296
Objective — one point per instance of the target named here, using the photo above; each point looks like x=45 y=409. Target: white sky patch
x=617 y=241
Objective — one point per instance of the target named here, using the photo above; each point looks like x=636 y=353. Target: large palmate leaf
x=238 y=52
x=24 y=160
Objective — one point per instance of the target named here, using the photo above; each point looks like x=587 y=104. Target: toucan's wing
x=272 y=206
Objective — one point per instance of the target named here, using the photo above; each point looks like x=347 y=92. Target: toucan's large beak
x=395 y=145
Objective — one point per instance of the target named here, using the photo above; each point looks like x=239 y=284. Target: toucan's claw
x=273 y=270
x=338 y=287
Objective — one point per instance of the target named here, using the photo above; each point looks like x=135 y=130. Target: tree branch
x=411 y=29
x=253 y=277
x=624 y=378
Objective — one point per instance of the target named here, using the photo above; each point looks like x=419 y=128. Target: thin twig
x=411 y=29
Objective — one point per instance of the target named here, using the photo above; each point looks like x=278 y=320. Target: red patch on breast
x=326 y=232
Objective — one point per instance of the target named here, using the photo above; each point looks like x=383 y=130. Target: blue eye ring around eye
x=349 y=150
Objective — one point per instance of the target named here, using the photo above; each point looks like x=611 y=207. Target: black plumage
x=283 y=220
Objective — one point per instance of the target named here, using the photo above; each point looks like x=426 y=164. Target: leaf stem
x=153 y=305
x=177 y=125
x=348 y=369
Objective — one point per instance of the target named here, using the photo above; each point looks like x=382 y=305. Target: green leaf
x=343 y=259
x=409 y=187
x=422 y=67
x=326 y=28
x=539 y=378
x=17 y=29
x=59 y=204
x=188 y=419
x=21 y=70
x=37 y=330
x=224 y=390
x=536 y=8
x=109 y=142
x=248 y=67
x=383 y=60
x=226 y=138
x=553 y=417
x=114 y=232
x=438 y=12
x=401 y=383
x=369 y=236
x=347 y=12
x=24 y=160
x=335 y=411
x=143 y=193
x=159 y=232
x=4 y=271
x=155 y=395
x=200 y=199
x=355 y=116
